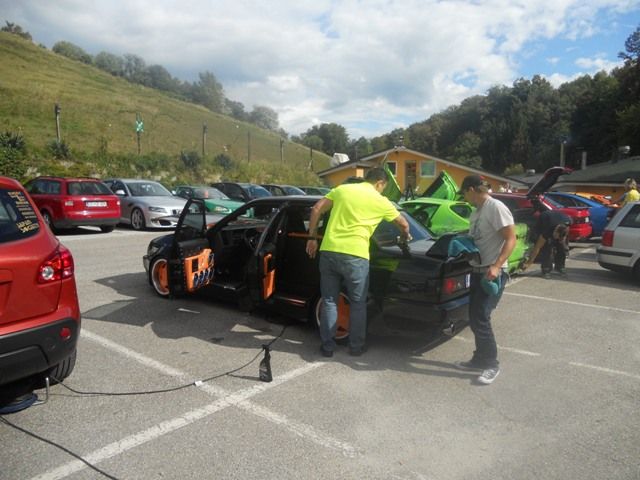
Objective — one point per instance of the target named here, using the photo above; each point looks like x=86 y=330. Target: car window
x=17 y=218
x=561 y=200
x=88 y=188
x=462 y=210
x=209 y=192
x=148 y=189
x=632 y=219
x=257 y=192
x=51 y=187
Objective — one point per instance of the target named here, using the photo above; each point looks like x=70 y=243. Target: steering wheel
x=251 y=236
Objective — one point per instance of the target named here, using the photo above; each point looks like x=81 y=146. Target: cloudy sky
x=370 y=65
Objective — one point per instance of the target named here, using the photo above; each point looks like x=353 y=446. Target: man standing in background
x=492 y=229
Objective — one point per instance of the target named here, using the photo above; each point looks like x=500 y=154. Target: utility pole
x=281 y=150
x=56 y=110
x=310 y=166
x=204 y=138
x=139 y=129
x=562 y=144
x=248 y=146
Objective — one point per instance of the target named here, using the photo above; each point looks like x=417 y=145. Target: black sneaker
x=468 y=366
x=489 y=375
x=325 y=352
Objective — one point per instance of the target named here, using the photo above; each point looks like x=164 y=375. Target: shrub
x=13 y=152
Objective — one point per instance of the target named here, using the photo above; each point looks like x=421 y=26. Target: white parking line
x=569 y=302
x=168 y=426
x=506 y=349
x=605 y=370
x=299 y=429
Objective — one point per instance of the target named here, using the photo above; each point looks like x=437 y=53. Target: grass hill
x=97 y=123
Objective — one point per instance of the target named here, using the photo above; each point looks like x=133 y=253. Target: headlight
x=158 y=209
x=220 y=209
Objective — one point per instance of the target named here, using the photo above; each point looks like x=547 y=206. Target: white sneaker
x=489 y=375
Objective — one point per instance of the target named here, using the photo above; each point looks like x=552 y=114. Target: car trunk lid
x=25 y=246
x=548 y=180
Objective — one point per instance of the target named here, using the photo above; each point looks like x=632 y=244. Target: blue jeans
x=338 y=271
x=480 y=307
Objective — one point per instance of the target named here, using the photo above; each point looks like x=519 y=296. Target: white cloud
x=370 y=66
x=597 y=63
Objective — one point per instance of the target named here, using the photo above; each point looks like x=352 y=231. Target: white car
x=145 y=203
x=620 y=246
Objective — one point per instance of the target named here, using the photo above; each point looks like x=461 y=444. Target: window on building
x=427 y=168
x=392 y=167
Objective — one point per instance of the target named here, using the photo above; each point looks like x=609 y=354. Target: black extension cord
x=147 y=392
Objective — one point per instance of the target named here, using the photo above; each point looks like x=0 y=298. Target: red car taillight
x=57 y=267
x=607 y=238
x=454 y=284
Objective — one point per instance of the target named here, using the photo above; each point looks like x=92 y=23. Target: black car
x=283 y=189
x=256 y=256
x=241 y=192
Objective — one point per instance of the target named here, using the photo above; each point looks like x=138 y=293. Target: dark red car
x=74 y=202
x=521 y=205
x=39 y=312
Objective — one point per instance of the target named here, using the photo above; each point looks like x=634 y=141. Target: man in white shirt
x=492 y=228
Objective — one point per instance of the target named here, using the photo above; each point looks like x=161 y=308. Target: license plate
x=96 y=204
x=467 y=280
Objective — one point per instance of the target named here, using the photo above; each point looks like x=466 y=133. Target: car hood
x=443 y=187
x=162 y=201
x=547 y=181
x=392 y=190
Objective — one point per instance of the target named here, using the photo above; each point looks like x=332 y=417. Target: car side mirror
x=121 y=193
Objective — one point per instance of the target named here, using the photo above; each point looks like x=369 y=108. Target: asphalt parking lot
x=565 y=405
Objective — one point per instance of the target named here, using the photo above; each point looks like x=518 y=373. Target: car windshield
x=209 y=192
x=257 y=191
x=293 y=190
x=88 y=188
x=148 y=189
x=17 y=218
x=387 y=233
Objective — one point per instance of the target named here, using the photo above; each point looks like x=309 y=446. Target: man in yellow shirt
x=356 y=210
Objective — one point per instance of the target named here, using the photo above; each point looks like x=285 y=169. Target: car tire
x=137 y=219
x=63 y=369
x=342 y=328
x=107 y=228
x=46 y=216
x=159 y=277
x=636 y=271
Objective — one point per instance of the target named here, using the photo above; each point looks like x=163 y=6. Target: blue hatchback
x=598 y=213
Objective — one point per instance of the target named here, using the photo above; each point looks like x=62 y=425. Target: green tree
x=135 y=69
x=208 y=92
x=110 y=63
x=16 y=30
x=72 y=51
x=334 y=138
x=264 y=117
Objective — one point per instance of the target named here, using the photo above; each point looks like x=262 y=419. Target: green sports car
x=215 y=201
x=441 y=210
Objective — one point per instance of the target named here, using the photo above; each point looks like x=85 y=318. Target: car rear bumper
x=579 y=231
x=614 y=259
x=85 y=222
x=443 y=316
x=33 y=351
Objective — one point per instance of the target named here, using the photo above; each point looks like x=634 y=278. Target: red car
x=75 y=202
x=39 y=311
x=522 y=207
